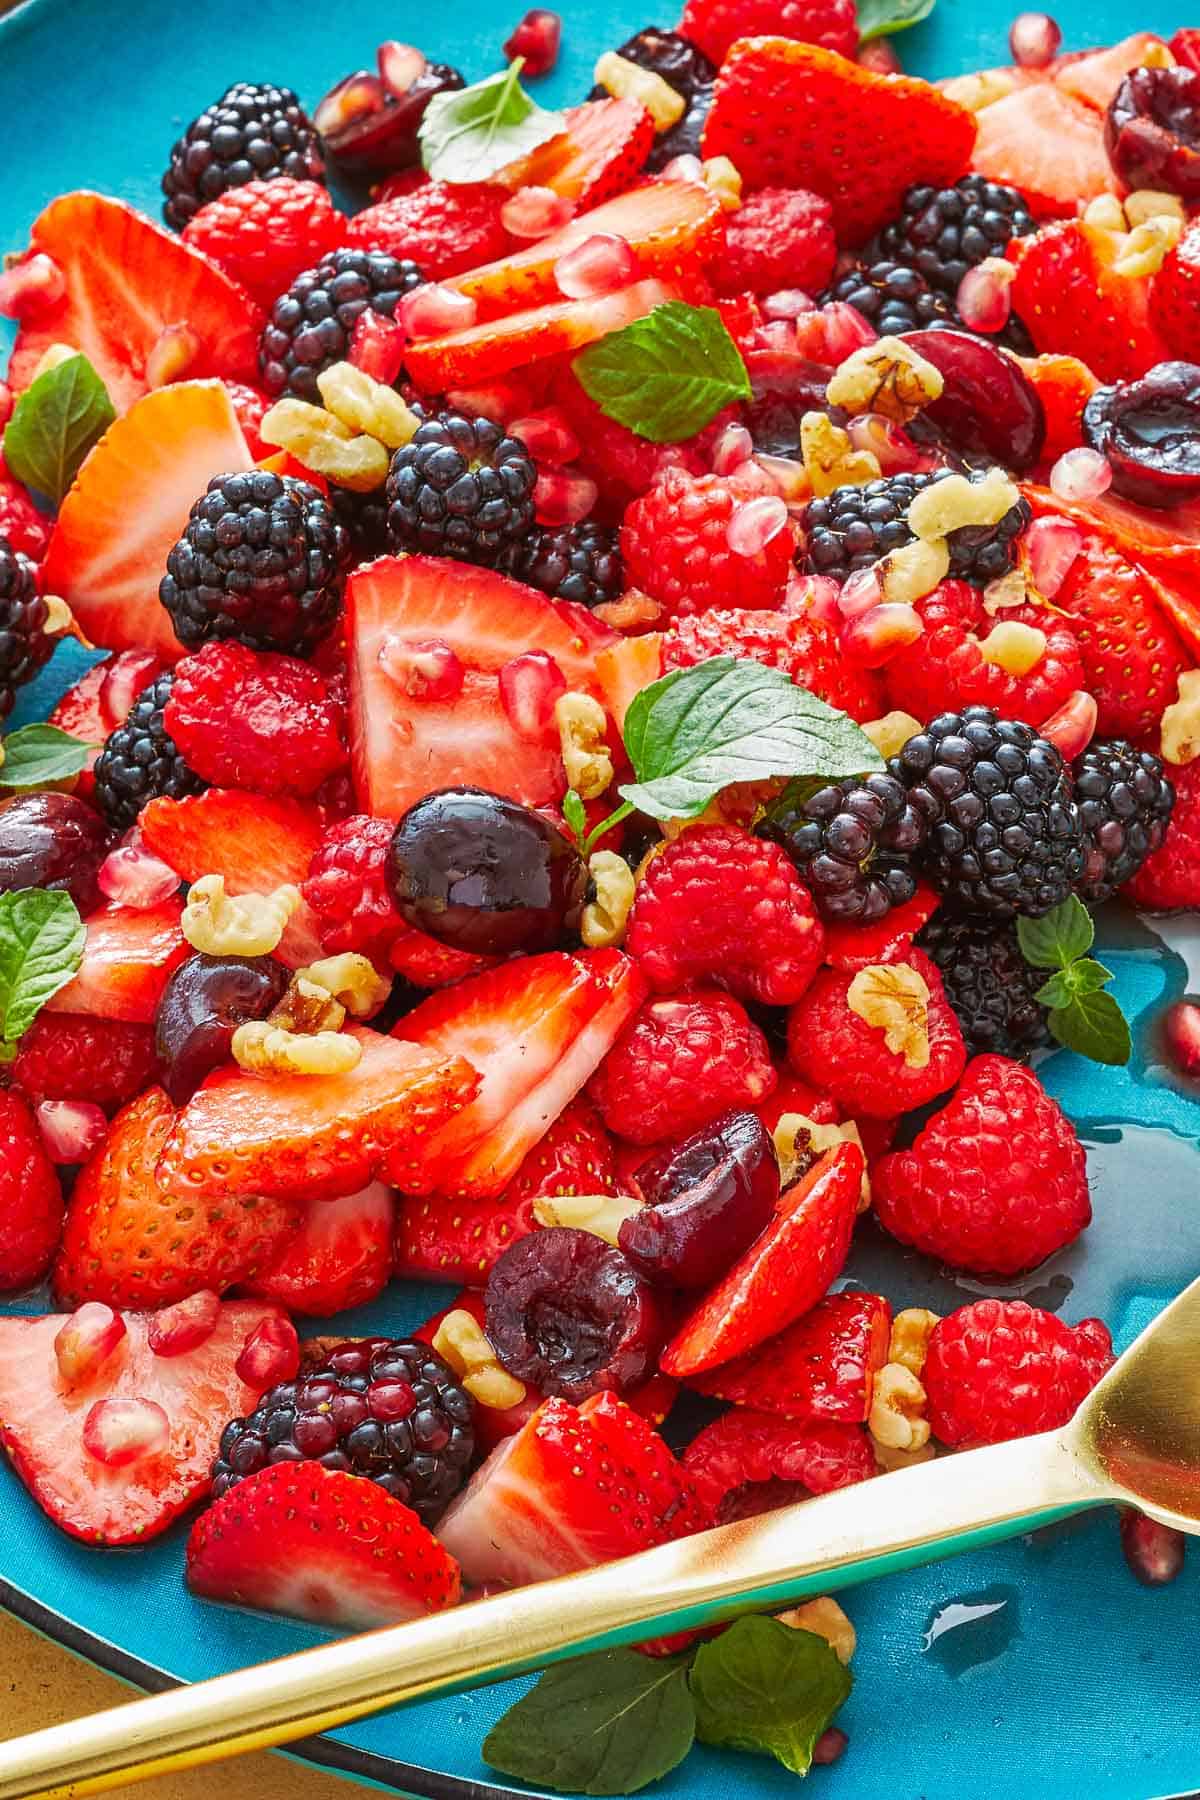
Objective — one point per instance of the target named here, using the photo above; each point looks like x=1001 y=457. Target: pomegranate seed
x=377 y=347
x=428 y=670
x=984 y=296
x=70 y=1129
x=788 y=303
x=1081 y=474
x=389 y=1400
x=534 y=212
x=87 y=1340
x=599 y=265
x=1051 y=546
x=734 y=447
x=120 y=1432
x=357 y=97
x=135 y=878
x=860 y=593
x=31 y=287
x=7 y=401
x=844 y=331
x=547 y=437
x=174 y=1330
x=833 y=1740
x=1072 y=728
x=1181 y=1032
x=873 y=638
x=536 y=40
x=754 y=523
x=563 y=499
x=888 y=442
x=172 y=355
x=399 y=66
x=271 y=1354
x=1033 y=39
x=787 y=478
x=682 y=168
x=530 y=684
x=815 y=594
x=433 y=310
x=1154 y=1552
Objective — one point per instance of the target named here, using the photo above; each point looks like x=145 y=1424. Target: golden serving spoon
x=1135 y=1440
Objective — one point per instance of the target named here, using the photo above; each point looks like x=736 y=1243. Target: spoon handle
x=913 y=1516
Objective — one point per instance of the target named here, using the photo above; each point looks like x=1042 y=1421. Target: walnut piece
x=1009 y=589
x=824 y=1618
x=890 y=734
x=605 y=917
x=265 y=1049
x=352 y=979
x=1152 y=203
x=221 y=924
x=915 y=569
x=362 y=404
x=724 y=179
x=461 y=1342
x=582 y=723
x=897 y=1417
x=1145 y=249
x=307 y=1008
x=888 y=1459
x=1181 y=722
x=953 y=502
x=1013 y=646
x=911 y=1332
x=799 y=1142
x=976 y=91
x=624 y=80
x=320 y=441
x=895 y=998
x=887 y=377
x=601 y=1214
x=633 y=610
x=830 y=460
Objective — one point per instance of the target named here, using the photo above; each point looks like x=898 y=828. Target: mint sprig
x=38 y=755
x=576 y=818
x=1082 y=1016
x=667 y=375
x=54 y=424
x=882 y=18
x=764 y=1687
x=474 y=132
x=41 y=947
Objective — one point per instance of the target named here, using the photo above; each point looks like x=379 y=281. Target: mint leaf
x=880 y=18
x=665 y=376
x=1082 y=1016
x=576 y=818
x=1057 y=992
x=1093 y=1025
x=729 y=719
x=1058 y=937
x=41 y=946
x=54 y=424
x=764 y=1687
x=39 y=754
x=472 y=134
x=605 y=1724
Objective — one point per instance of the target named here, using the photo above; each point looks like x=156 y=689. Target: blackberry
x=575 y=562
x=991 y=988
x=1125 y=804
x=364 y=520
x=1005 y=836
x=852 y=843
x=892 y=297
x=943 y=232
x=686 y=69
x=140 y=760
x=311 y=326
x=260 y=560
x=24 y=646
x=252 y=133
x=854 y=526
x=387 y=1409
x=460 y=487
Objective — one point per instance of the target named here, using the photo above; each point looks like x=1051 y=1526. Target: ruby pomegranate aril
x=536 y=41
x=120 y=1432
x=1033 y=39
x=70 y=1129
x=399 y=66
x=1051 y=546
x=530 y=685
x=754 y=523
x=600 y=265
x=427 y=670
x=560 y=498
x=174 y=1330
x=87 y=1340
x=984 y=297
x=271 y=1354
x=132 y=877
x=1081 y=474
x=1072 y=728
x=377 y=346
x=432 y=310
x=31 y=287
x=872 y=638
x=534 y=212
x=1181 y=1033
x=547 y=437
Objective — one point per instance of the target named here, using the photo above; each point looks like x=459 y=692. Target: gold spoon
x=1135 y=1440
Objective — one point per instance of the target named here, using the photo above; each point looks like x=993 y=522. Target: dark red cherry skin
x=988 y=407
x=1150 y=432
x=53 y=841
x=486 y=875
x=1152 y=131
x=707 y=1199
x=202 y=1005
x=572 y=1316
x=378 y=141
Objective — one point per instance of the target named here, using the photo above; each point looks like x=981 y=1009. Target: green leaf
x=1093 y=1025
x=1057 y=992
x=880 y=18
x=764 y=1687
x=471 y=134
x=41 y=946
x=729 y=719
x=1058 y=937
x=605 y=1724
x=575 y=816
x=665 y=376
x=54 y=424
x=39 y=754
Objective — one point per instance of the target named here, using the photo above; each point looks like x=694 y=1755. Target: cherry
x=988 y=407
x=203 y=1003
x=53 y=841
x=1152 y=131
x=368 y=123
x=1149 y=430
x=707 y=1199
x=572 y=1316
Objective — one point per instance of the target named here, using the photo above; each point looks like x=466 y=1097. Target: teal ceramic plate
x=1036 y=1668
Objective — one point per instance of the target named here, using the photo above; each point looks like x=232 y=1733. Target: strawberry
x=1132 y=657
x=822 y=1367
x=319 y=1544
x=131 y=1241
x=100 y=701
x=1068 y=295
x=716 y=25
x=890 y=940
x=129 y=504
x=1169 y=879
x=794 y=116
x=1048 y=145
x=313 y=1137
x=1095 y=78
x=535 y=1029
x=42 y=1418
x=625 y=668
x=599 y=153
x=746 y=1463
x=781 y=1275
x=31 y=1203
x=1175 y=295
x=127 y=958
x=1064 y=386
x=459 y=1240
x=428 y=964
x=403 y=747
x=341 y=1256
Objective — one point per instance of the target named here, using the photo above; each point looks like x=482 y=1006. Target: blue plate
x=1038 y=1667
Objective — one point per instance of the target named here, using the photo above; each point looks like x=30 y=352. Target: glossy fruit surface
x=1152 y=131
x=988 y=407
x=368 y=127
x=707 y=1199
x=53 y=841
x=203 y=1003
x=1149 y=430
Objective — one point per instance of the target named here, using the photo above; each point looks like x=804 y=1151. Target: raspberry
x=21 y=522
x=252 y=719
x=675 y=547
x=804 y=645
x=996 y=1181
x=680 y=1063
x=444 y=229
x=794 y=1095
x=715 y=24
x=1004 y=1369
x=947 y=668
x=777 y=238
x=72 y=1056
x=250 y=404
x=747 y=1462
x=265 y=233
x=1170 y=877
x=346 y=890
x=718 y=903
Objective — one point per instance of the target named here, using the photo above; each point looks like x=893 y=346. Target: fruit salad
x=627 y=645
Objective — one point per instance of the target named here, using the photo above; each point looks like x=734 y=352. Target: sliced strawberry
x=746 y=1463
x=822 y=1367
x=858 y=946
x=403 y=747
x=126 y=283
x=1048 y=145
x=625 y=668
x=1095 y=78
x=318 y=1544
x=1070 y=297
x=463 y=357
x=128 y=505
x=341 y=1256
x=308 y=1136
x=127 y=958
x=428 y=964
x=1132 y=657
x=42 y=1419
x=535 y=1029
x=781 y=1275
x=600 y=152
x=31 y=1201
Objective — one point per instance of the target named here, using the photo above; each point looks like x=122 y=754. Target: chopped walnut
x=897 y=1417
x=601 y=1214
x=724 y=179
x=888 y=1459
x=582 y=724
x=830 y=460
x=221 y=924
x=1180 y=724
x=633 y=612
x=824 y=1618
x=1145 y=249
x=1010 y=589
x=307 y=1008
x=895 y=998
x=911 y=1332
x=912 y=571
x=978 y=90
x=362 y=404
x=605 y=917
x=1106 y=212
x=624 y=80
x=265 y=1049
x=887 y=377
x=1152 y=203
x=1013 y=646
x=799 y=1141
x=461 y=1341
x=1158 y=55
x=320 y=441
x=60 y=620
x=890 y=734
x=953 y=502
x=352 y=979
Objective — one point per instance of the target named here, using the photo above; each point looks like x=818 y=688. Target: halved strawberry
x=781 y=1275
x=100 y=701
x=1071 y=298
x=127 y=958
x=313 y=1137
x=1095 y=77
x=600 y=151
x=42 y=1418
x=888 y=940
x=318 y=1544
x=535 y=1029
x=822 y=1367
x=341 y=1256
x=131 y=1241
x=403 y=747
x=126 y=283
x=625 y=668
x=1132 y=657
x=1048 y=145
x=128 y=505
